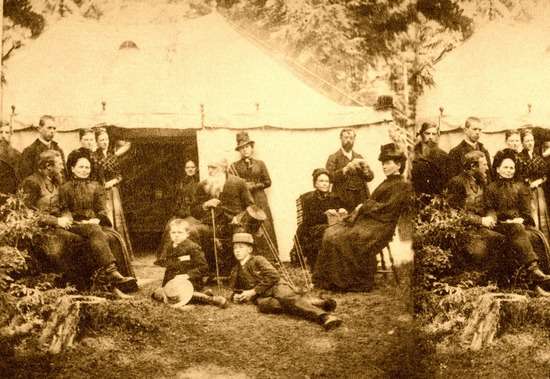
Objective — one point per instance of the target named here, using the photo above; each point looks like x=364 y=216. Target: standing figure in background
x=30 y=156
x=185 y=192
x=430 y=163
x=108 y=169
x=534 y=174
x=472 y=132
x=349 y=172
x=9 y=161
x=255 y=173
x=87 y=147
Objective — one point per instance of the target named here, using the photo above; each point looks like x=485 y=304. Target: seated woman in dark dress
x=82 y=200
x=315 y=205
x=508 y=202
x=347 y=260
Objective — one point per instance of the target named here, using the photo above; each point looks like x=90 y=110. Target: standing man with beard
x=472 y=133
x=31 y=154
x=224 y=196
x=9 y=161
x=349 y=172
x=430 y=163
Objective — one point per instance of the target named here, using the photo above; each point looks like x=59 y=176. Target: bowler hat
x=243 y=238
x=243 y=139
x=390 y=151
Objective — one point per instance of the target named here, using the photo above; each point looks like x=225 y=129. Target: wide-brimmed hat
x=390 y=151
x=243 y=139
x=243 y=238
x=177 y=291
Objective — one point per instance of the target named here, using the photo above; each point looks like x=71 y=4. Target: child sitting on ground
x=186 y=260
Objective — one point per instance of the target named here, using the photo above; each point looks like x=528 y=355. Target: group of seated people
x=222 y=226
x=504 y=201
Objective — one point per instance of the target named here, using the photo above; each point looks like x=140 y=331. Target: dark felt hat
x=502 y=155
x=243 y=139
x=390 y=151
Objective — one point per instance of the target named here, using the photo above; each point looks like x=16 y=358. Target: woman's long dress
x=347 y=261
x=108 y=169
x=255 y=173
x=534 y=169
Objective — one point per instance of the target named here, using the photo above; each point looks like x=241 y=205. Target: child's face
x=241 y=250
x=178 y=233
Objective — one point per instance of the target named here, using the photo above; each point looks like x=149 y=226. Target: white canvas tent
x=501 y=74
x=76 y=72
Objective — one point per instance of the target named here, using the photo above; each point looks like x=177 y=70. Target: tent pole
x=202 y=116
x=2 y=60
x=12 y=116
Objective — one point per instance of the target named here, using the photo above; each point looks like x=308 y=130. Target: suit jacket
x=429 y=172
x=29 y=157
x=9 y=168
x=186 y=258
x=257 y=273
x=42 y=195
x=351 y=188
x=466 y=192
x=235 y=197
x=456 y=158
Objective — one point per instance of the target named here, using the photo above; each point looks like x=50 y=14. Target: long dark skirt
x=347 y=260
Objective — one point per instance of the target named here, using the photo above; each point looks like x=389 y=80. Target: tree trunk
x=492 y=313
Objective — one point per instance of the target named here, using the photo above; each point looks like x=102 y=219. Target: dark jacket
x=254 y=173
x=29 y=157
x=315 y=204
x=456 y=158
x=429 y=172
x=351 y=188
x=186 y=258
x=235 y=197
x=467 y=193
x=257 y=273
x=42 y=195
x=533 y=167
x=84 y=199
x=185 y=196
x=10 y=160
x=507 y=199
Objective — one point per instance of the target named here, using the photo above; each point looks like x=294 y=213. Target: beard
x=56 y=178
x=214 y=184
x=347 y=146
x=480 y=177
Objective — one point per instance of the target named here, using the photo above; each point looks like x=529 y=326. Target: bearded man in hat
x=255 y=173
x=350 y=173
x=218 y=199
x=430 y=163
x=9 y=161
x=347 y=260
x=254 y=279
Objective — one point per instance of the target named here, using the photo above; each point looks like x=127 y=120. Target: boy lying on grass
x=185 y=261
x=255 y=279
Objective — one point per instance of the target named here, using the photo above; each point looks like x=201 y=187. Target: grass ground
x=142 y=339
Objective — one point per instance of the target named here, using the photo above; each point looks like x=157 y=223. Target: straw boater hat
x=243 y=238
x=177 y=291
x=242 y=140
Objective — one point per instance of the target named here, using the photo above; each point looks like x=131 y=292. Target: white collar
x=474 y=145
x=243 y=262
x=49 y=144
x=346 y=154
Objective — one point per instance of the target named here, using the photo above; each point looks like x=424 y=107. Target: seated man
x=185 y=258
x=222 y=196
x=255 y=279
x=61 y=246
x=465 y=191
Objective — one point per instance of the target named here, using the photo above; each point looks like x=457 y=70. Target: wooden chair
x=383 y=267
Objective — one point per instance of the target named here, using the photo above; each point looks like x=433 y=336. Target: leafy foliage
x=17 y=222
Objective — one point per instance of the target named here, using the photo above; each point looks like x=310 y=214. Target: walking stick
x=216 y=251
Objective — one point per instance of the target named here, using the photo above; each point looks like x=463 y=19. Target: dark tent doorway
x=151 y=172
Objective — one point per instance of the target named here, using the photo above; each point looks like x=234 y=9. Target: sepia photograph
x=274 y=189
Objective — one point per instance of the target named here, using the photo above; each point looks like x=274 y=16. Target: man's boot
x=330 y=322
x=124 y=283
x=218 y=301
x=536 y=275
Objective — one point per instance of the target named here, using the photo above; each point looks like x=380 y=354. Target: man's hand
x=245 y=296
x=488 y=222
x=64 y=222
x=212 y=203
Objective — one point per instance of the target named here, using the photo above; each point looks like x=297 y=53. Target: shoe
x=537 y=275
x=331 y=322
x=124 y=283
x=329 y=305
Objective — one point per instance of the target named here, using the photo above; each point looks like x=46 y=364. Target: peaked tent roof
x=76 y=65
x=494 y=75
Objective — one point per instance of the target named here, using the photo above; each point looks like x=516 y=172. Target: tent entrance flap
x=151 y=173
